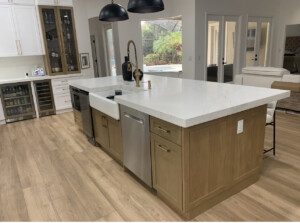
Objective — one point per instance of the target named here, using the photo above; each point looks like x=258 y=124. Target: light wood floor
x=49 y=172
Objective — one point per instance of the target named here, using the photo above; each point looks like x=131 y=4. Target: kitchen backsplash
x=17 y=67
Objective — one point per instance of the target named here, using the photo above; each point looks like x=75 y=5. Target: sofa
x=277 y=78
x=265 y=76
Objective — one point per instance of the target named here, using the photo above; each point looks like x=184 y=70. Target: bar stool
x=271 y=120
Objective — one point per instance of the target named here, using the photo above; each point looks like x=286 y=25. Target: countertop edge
x=186 y=123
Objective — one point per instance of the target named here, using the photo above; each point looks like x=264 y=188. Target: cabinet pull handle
x=163 y=149
x=163 y=130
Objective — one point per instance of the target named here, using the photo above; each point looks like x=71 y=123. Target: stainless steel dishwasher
x=136 y=143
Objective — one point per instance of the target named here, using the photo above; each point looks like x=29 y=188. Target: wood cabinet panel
x=100 y=124
x=249 y=145
x=115 y=139
x=108 y=133
x=210 y=159
x=213 y=163
x=167 y=170
x=166 y=130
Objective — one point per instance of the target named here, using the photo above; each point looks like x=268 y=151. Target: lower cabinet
x=167 y=170
x=108 y=134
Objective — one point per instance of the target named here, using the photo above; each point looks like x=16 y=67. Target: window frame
x=162 y=73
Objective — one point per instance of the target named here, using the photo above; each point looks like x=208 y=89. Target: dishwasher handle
x=134 y=118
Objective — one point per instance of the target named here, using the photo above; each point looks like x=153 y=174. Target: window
x=162 y=45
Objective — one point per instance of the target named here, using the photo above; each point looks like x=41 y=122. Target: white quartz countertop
x=99 y=84
x=36 y=78
x=187 y=102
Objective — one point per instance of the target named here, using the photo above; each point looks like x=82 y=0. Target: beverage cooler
x=17 y=101
x=44 y=96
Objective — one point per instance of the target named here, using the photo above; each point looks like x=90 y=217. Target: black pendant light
x=145 y=6
x=113 y=13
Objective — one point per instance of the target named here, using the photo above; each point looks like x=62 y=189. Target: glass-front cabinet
x=60 y=40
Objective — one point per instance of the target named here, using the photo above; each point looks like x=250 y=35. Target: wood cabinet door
x=115 y=139
x=167 y=170
x=8 y=41
x=100 y=124
x=28 y=32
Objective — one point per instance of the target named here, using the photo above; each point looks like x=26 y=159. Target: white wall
x=131 y=29
x=15 y=67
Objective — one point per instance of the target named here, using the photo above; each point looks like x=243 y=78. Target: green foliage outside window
x=161 y=46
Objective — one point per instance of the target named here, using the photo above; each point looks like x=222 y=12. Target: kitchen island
x=206 y=138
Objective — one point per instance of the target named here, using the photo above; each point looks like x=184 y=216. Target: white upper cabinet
x=27 y=30
x=55 y=2
x=8 y=40
x=20 y=2
x=23 y=2
x=4 y=1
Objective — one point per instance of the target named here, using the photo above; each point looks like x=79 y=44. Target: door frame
x=259 y=20
x=222 y=19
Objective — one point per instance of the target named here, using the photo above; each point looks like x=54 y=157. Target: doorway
x=258 y=41
x=105 y=48
x=222 y=36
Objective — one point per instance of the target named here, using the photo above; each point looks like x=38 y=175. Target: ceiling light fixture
x=145 y=6
x=115 y=12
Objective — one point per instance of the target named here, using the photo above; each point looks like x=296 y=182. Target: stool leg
x=274 y=135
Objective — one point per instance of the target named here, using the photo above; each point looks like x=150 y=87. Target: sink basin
x=103 y=101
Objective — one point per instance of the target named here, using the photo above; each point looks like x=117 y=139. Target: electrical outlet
x=240 y=127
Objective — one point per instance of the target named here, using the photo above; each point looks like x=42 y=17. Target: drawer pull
x=163 y=130
x=163 y=148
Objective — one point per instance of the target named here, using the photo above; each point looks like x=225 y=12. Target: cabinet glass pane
x=52 y=40
x=251 y=40
x=69 y=39
x=213 y=50
x=263 y=46
x=229 y=50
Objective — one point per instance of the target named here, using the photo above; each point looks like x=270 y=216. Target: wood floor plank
x=50 y=172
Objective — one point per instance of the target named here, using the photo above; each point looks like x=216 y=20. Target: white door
x=222 y=35
x=258 y=41
x=110 y=49
x=28 y=33
x=8 y=43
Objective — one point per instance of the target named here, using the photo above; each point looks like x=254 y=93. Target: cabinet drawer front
x=167 y=170
x=59 y=90
x=166 y=130
x=63 y=102
x=60 y=82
